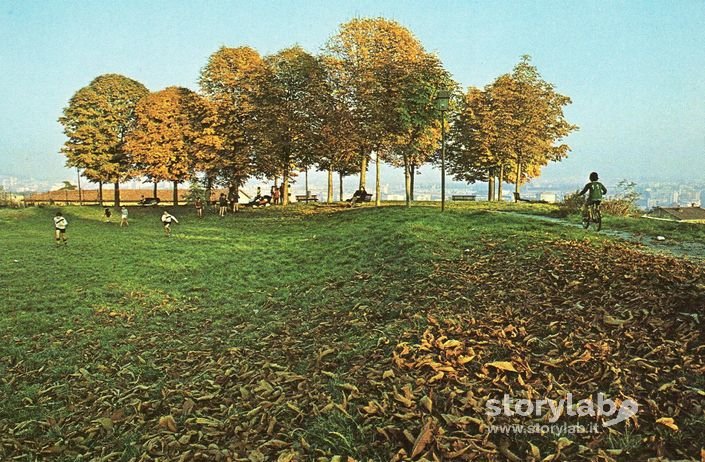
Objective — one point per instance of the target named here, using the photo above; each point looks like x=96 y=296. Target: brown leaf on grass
x=667 y=422
x=502 y=365
x=188 y=406
x=423 y=439
x=427 y=403
x=168 y=423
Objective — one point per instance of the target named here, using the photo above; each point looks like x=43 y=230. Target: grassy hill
x=314 y=332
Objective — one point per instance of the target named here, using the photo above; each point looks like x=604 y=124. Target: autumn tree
x=419 y=132
x=473 y=152
x=167 y=135
x=529 y=120
x=229 y=80
x=289 y=114
x=337 y=148
x=508 y=131
x=97 y=121
x=371 y=59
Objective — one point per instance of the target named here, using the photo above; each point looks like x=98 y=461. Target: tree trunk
x=306 y=184
x=363 y=172
x=490 y=184
x=330 y=185
x=208 y=192
x=341 y=186
x=154 y=191
x=233 y=189
x=100 y=193
x=176 y=193
x=378 y=187
x=80 y=193
x=285 y=187
x=411 y=186
x=518 y=182
x=116 y=199
x=236 y=204
x=407 y=181
x=500 y=182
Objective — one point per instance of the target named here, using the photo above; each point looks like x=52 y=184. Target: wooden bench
x=518 y=198
x=310 y=198
x=149 y=201
x=364 y=198
x=464 y=197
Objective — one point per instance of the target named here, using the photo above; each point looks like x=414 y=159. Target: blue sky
x=634 y=69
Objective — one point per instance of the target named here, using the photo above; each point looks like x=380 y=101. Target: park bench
x=363 y=198
x=304 y=198
x=464 y=197
x=149 y=201
x=518 y=198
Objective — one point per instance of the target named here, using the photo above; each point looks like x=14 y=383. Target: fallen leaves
x=667 y=422
x=534 y=326
x=502 y=365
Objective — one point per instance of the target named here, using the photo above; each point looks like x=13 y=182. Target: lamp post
x=442 y=99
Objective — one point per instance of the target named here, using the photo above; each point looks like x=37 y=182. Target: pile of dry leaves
x=576 y=318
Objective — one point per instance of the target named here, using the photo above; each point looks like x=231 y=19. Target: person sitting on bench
x=358 y=196
x=260 y=201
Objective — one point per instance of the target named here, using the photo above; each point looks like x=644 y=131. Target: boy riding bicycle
x=596 y=191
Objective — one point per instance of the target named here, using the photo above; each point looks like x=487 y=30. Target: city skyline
x=631 y=68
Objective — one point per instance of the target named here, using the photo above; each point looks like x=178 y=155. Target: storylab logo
x=554 y=409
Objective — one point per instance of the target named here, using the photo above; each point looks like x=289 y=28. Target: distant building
x=549 y=197
x=683 y=214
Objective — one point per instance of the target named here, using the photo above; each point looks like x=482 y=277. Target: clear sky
x=635 y=70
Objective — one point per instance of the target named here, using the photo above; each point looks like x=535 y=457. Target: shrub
x=572 y=203
x=195 y=191
x=623 y=203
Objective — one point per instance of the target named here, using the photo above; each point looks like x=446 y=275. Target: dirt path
x=690 y=250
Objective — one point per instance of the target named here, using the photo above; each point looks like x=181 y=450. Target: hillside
x=316 y=332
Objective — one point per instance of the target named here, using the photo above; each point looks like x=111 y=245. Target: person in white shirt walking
x=60 y=225
x=167 y=219
x=123 y=217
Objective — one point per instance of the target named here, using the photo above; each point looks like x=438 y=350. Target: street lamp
x=442 y=99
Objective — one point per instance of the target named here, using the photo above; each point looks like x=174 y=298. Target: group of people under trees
x=232 y=201
x=595 y=191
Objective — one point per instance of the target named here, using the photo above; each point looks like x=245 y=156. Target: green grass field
x=314 y=332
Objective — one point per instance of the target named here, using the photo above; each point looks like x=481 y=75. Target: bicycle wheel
x=586 y=220
x=598 y=219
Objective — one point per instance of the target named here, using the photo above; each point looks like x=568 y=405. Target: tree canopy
x=168 y=127
x=372 y=89
x=97 y=121
x=509 y=130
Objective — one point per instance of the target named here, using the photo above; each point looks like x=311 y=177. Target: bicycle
x=593 y=216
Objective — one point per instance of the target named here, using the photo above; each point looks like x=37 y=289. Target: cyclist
x=596 y=191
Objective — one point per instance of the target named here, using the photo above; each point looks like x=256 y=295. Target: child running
x=60 y=225
x=123 y=217
x=107 y=213
x=166 y=221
